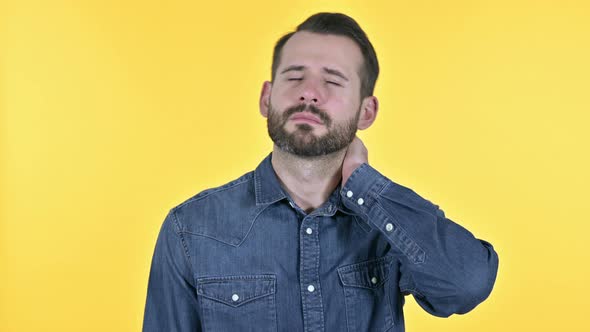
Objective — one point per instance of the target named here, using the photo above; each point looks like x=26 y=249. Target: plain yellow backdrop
x=112 y=112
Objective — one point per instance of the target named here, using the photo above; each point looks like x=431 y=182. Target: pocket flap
x=368 y=274
x=236 y=290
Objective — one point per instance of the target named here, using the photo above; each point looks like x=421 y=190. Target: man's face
x=315 y=98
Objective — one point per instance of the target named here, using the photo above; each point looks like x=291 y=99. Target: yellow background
x=113 y=112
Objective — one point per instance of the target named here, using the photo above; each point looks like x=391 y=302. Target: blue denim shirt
x=245 y=257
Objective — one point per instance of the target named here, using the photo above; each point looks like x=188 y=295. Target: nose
x=308 y=99
x=310 y=94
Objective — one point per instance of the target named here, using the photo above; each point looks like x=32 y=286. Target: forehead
x=322 y=50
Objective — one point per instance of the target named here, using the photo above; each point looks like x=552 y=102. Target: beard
x=303 y=141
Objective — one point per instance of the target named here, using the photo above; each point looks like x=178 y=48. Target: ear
x=265 y=98
x=369 y=108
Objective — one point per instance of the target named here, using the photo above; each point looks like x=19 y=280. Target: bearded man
x=313 y=239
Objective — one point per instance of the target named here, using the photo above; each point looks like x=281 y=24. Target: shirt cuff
x=362 y=188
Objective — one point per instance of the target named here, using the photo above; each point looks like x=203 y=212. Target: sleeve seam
x=183 y=244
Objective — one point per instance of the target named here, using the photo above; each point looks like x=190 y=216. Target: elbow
x=476 y=285
x=462 y=288
x=469 y=289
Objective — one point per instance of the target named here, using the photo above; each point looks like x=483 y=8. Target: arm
x=444 y=266
x=171 y=303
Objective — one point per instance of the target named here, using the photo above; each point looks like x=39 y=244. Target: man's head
x=339 y=25
x=325 y=70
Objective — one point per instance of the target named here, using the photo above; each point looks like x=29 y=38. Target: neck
x=308 y=180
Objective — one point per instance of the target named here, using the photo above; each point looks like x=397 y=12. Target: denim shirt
x=245 y=257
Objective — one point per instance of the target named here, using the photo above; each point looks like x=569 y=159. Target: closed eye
x=334 y=83
x=294 y=79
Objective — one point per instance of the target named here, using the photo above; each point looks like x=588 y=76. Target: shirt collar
x=268 y=189
x=266 y=183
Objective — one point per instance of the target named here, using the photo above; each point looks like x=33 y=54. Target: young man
x=314 y=239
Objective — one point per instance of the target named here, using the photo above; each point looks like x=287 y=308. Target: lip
x=307 y=117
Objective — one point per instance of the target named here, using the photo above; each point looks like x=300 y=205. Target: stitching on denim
x=382 y=264
x=224 y=242
x=346 y=186
x=274 y=296
x=207 y=192
x=388 y=296
x=217 y=279
x=407 y=195
x=182 y=242
x=413 y=251
x=372 y=188
x=380 y=192
x=346 y=308
x=203 y=319
x=351 y=177
x=257 y=189
x=317 y=235
x=362 y=224
x=208 y=236
x=258 y=279
x=381 y=181
x=360 y=265
x=228 y=243
x=259 y=195
x=239 y=304
x=252 y=222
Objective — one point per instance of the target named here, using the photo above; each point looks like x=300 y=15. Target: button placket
x=311 y=295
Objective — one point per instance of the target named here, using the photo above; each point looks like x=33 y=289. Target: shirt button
x=360 y=201
x=389 y=227
x=235 y=297
x=308 y=230
x=310 y=288
x=349 y=194
x=374 y=280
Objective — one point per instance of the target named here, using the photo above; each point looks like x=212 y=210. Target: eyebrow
x=326 y=70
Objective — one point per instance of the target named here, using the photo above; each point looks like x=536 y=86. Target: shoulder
x=218 y=212
x=233 y=187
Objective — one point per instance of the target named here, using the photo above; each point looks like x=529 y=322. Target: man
x=314 y=239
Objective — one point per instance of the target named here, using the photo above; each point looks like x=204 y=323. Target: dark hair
x=341 y=25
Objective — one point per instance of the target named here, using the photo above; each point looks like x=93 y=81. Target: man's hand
x=356 y=154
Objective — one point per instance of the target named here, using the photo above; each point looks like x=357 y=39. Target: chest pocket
x=238 y=303
x=366 y=297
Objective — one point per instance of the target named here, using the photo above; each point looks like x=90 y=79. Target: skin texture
x=310 y=179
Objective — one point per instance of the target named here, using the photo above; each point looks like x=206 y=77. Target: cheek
x=343 y=106
x=280 y=98
x=282 y=90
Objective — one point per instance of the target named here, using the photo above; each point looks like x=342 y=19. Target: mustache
x=311 y=109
